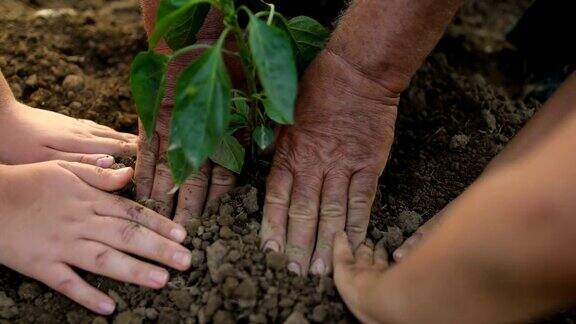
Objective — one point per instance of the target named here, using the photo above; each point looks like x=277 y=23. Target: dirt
x=467 y=101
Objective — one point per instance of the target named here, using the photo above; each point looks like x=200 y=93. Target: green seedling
x=207 y=109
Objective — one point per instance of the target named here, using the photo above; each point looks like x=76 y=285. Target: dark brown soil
x=462 y=107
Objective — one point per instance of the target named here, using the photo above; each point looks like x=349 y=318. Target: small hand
x=32 y=135
x=326 y=166
x=55 y=216
x=356 y=274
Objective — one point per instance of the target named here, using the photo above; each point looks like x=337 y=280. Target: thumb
x=103 y=179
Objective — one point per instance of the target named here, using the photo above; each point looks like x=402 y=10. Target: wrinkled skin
x=326 y=166
x=33 y=135
x=57 y=215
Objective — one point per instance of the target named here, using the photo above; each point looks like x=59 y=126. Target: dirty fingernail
x=272 y=245
x=105 y=162
x=182 y=258
x=178 y=234
x=106 y=308
x=295 y=268
x=318 y=267
x=159 y=277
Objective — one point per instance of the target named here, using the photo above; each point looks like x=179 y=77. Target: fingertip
x=178 y=233
x=105 y=161
x=106 y=307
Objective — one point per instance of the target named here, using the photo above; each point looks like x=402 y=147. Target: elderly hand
x=326 y=168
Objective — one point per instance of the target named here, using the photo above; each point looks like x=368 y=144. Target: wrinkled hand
x=32 y=135
x=55 y=216
x=357 y=274
x=153 y=176
x=325 y=172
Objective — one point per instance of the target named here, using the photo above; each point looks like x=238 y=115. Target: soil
x=467 y=101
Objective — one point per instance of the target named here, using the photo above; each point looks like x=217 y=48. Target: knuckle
x=361 y=202
x=102 y=258
x=222 y=177
x=332 y=210
x=302 y=212
x=356 y=228
x=128 y=232
x=64 y=286
x=276 y=197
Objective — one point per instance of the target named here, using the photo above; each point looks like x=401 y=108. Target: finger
x=276 y=204
x=95 y=124
x=101 y=259
x=364 y=255
x=361 y=193
x=95 y=145
x=62 y=279
x=381 y=256
x=302 y=221
x=192 y=195
x=120 y=207
x=115 y=135
x=104 y=179
x=133 y=238
x=333 y=208
x=145 y=164
x=222 y=181
x=342 y=255
x=163 y=183
x=101 y=160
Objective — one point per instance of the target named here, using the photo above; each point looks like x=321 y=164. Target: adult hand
x=325 y=172
x=55 y=216
x=153 y=176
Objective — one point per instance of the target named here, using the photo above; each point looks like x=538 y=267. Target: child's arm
x=503 y=253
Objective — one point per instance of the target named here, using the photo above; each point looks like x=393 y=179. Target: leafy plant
x=207 y=110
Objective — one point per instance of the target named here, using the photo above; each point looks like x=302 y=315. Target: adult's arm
x=326 y=168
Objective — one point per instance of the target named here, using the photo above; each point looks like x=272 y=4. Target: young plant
x=207 y=110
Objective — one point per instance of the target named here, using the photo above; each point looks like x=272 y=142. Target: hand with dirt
x=328 y=163
x=56 y=215
x=33 y=135
x=355 y=275
x=326 y=168
x=153 y=176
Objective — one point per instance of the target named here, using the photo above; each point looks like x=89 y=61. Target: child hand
x=55 y=216
x=32 y=135
x=356 y=275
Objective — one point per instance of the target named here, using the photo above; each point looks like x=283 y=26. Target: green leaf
x=229 y=154
x=310 y=37
x=179 y=165
x=178 y=21
x=148 y=83
x=201 y=109
x=276 y=68
x=263 y=136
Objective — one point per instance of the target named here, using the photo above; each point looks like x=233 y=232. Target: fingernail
x=182 y=258
x=398 y=254
x=318 y=267
x=106 y=308
x=294 y=267
x=123 y=171
x=272 y=245
x=105 y=162
x=178 y=234
x=159 y=277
